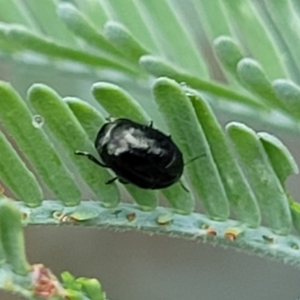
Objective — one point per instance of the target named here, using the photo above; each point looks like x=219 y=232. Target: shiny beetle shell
x=139 y=154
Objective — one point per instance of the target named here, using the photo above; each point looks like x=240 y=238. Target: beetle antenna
x=194 y=158
x=91 y=158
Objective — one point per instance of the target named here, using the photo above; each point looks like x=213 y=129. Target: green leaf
x=208 y=13
x=174 y=40
x=92 y=288
x=229 y=53
x=18 y=121
x=289 y=93
x=281 y=159
x=295 y=211
x=255 y=41
x=188 y=135
x=46 y=20
x=118 y=103
x=255 y=79
x=134 y=17
x=246 y=17
x=183 y=53
x=25 y=186
x=80 y=25
x=122 y=39
x=14 y=12
x=284 y=24
x=11 y=237
x=88 y=116
x=69 y=132
x=160 y=68
x=29 y=40
x=239 y=193
x=265 y=185
x=94 y=11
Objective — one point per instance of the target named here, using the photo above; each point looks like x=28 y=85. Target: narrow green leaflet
x=137 y=21
x=27 y=39
x=2 y=254
x=254 y=79
x=123 y=40
x=289 y=93
x=266 y=186
x=295 y=5
x=243 y=15
x=281 y=159
x=208 y=13
x=181 y=200
x=88 y=116
x=15 y=174
x=80 y=26
x=229 y=54
x=118 y=103
x=295 y=211
x=285 y=25
x=31 y=139
x=187 y=133
x=183 y=53
x=13 y=12
x=239 y=193
x=46 y=19
x=93 y=10
x=64 y=126
x=160 y=68
x=11 y=237
x=91 y=287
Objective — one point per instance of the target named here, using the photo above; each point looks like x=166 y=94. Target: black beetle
x=138 y=154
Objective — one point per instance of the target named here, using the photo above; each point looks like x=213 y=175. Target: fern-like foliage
x=164 y=61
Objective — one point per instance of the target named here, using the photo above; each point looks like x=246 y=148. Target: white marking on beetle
x=132 y=139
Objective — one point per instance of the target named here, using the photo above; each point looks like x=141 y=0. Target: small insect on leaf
x=138 y=154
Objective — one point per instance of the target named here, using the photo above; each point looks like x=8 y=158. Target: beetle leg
x=151 y=124
x=182 y=185
x=194 y=158
x=123 y=181
x=111 y=180
x=91 y=157
x=114 y=179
